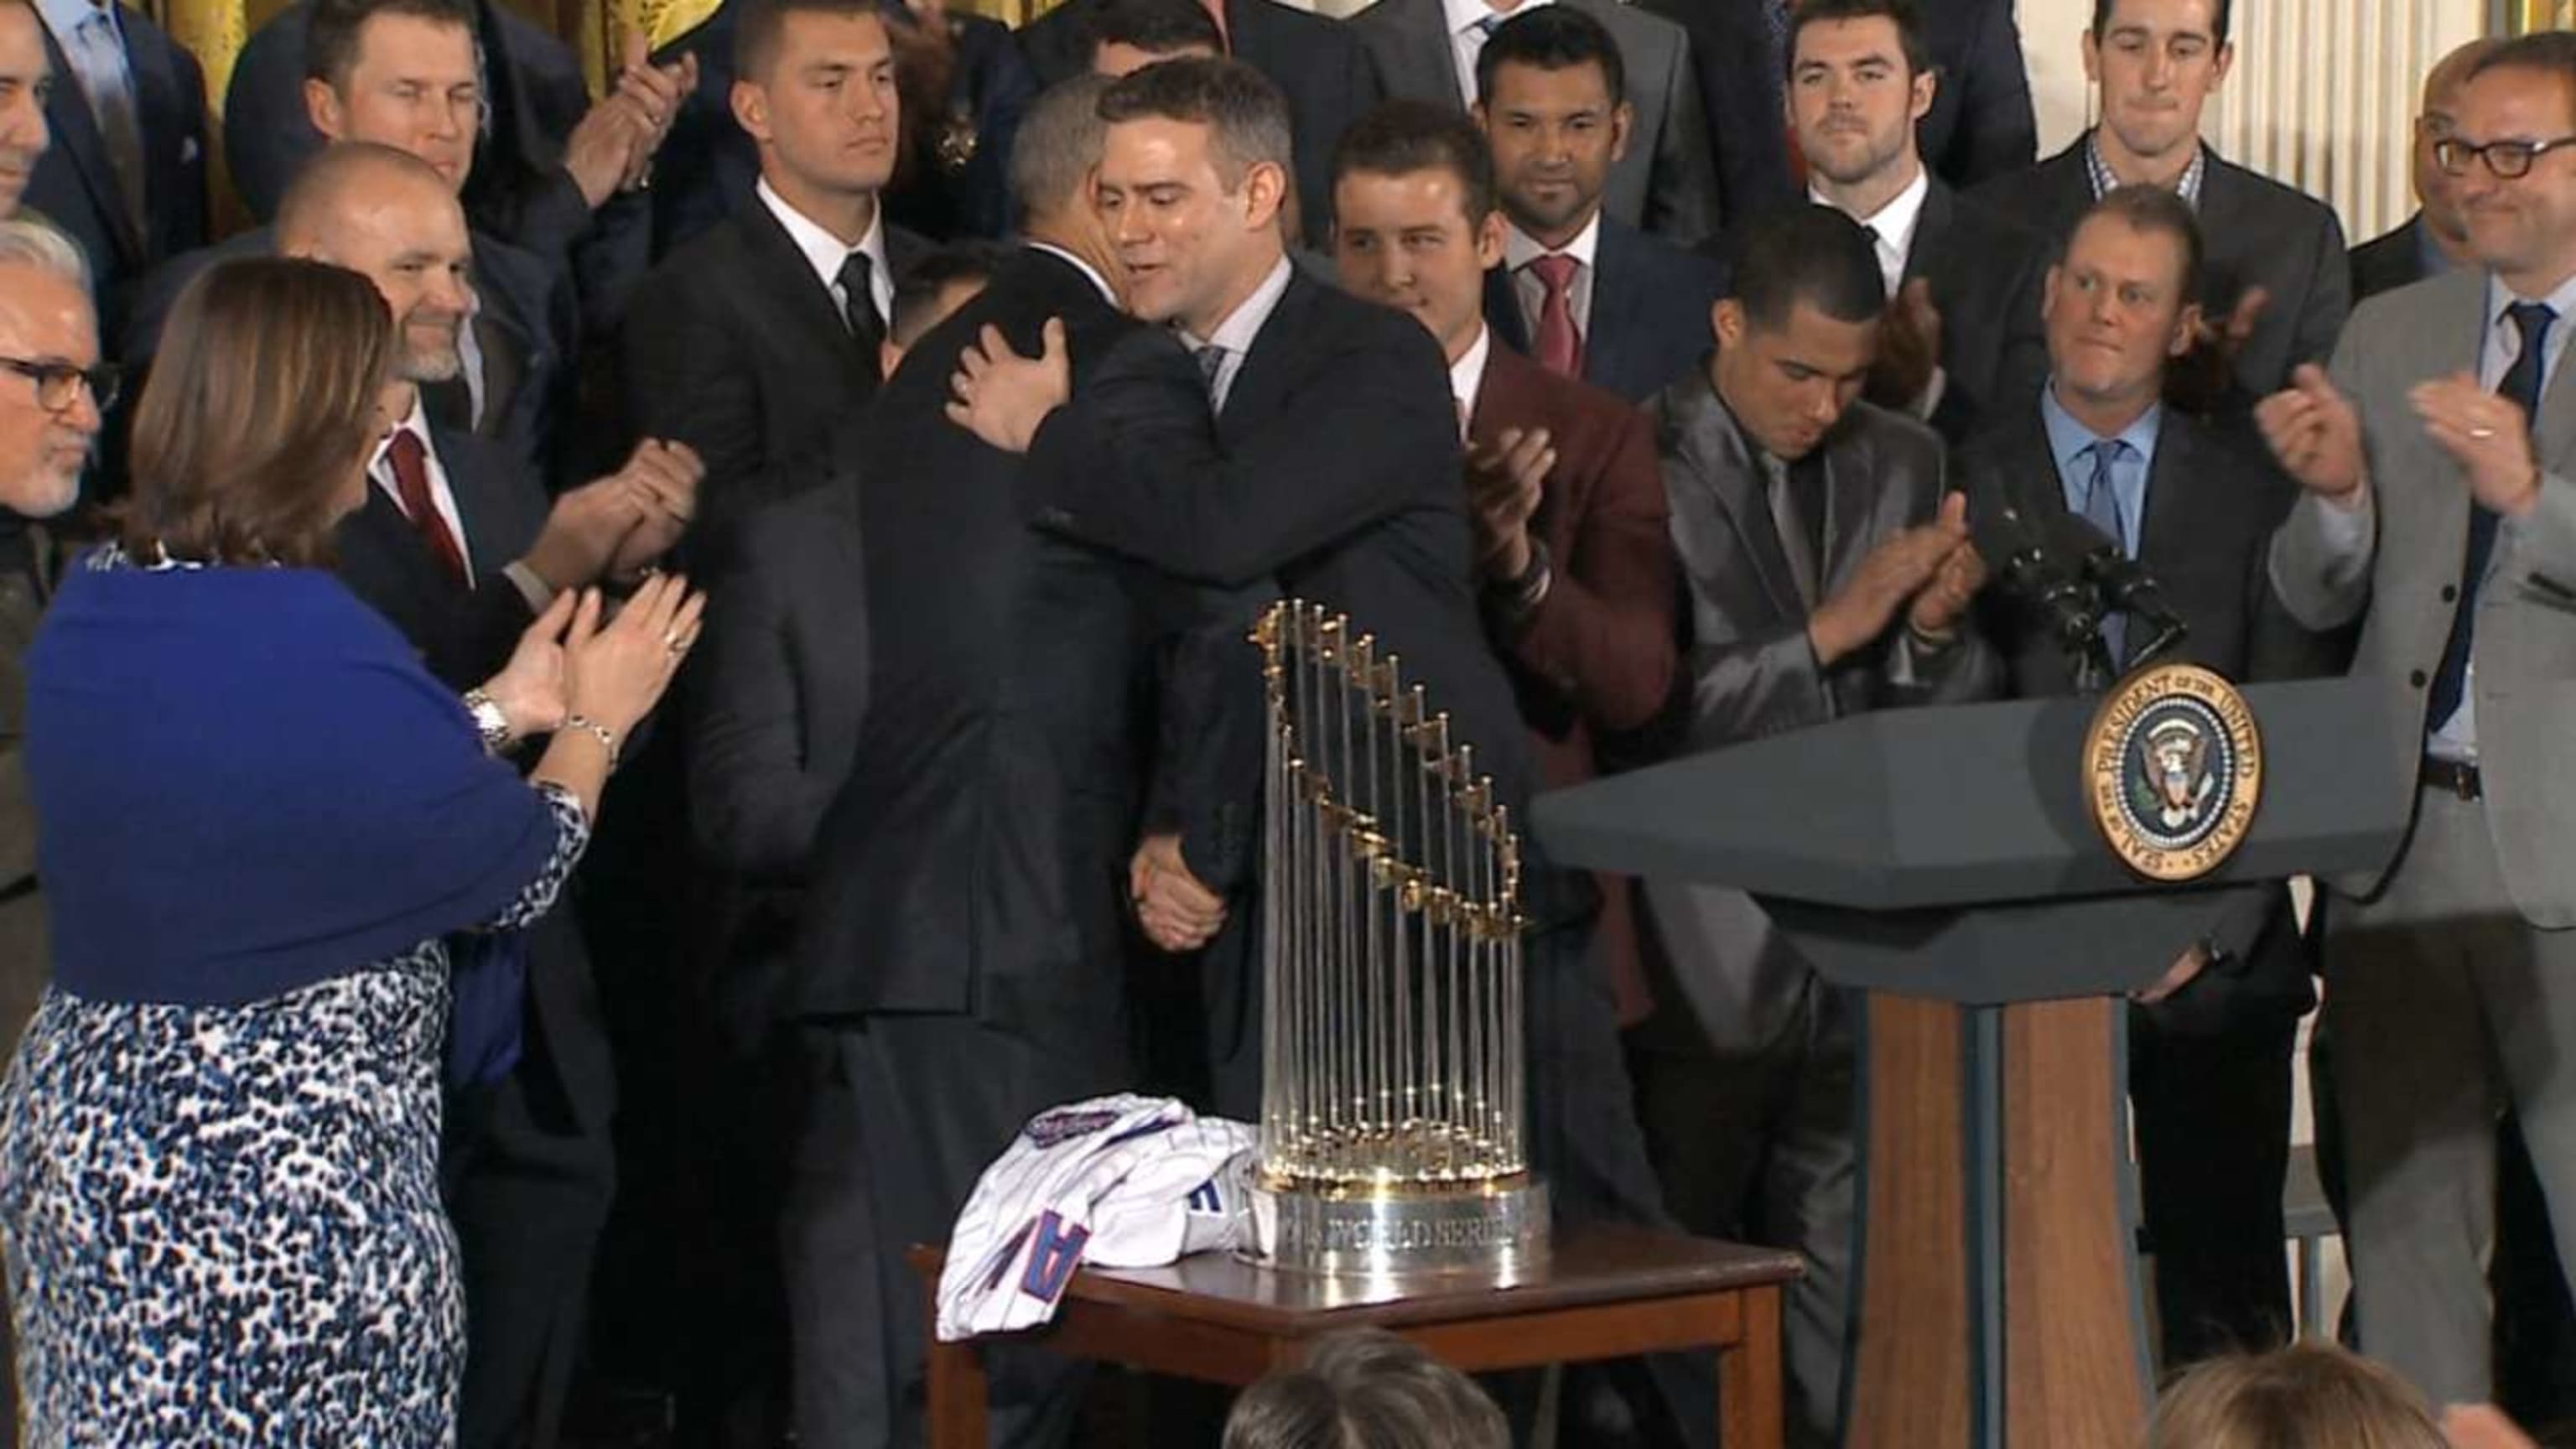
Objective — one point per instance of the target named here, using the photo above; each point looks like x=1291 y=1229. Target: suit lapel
x=1428 y=60
x=1737 y=481
x=791 y=279
x=1931 y=233
x=470 y=483
x=1852 y=494
x=160 y=112
x=1617 y=303
x=76 y=135
x=1503 y=310
x=1261 y=383
x=2164 y=530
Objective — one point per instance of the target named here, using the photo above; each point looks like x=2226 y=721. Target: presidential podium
x=1944 y=861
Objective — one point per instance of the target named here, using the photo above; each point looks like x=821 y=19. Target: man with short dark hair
x=125 y=176
x=1659 y=179
x=765 y=330
x=1128 y=35
x=1317 y=62
x=1573 y=563
x=1963 y=284
x=2210 y=1044
x=1366 y=1386
x=1827 y=572
x=2274 y=285
x=26 y=78
x=2434 y=239
x=2440 y=515
x=1580 y=291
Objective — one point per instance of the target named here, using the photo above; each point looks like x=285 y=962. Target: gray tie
x=1788 y=516
x=109 y=85
x=1211 y=360
x=2102 y=510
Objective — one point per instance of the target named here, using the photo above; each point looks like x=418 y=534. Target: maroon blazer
x=1597 y=654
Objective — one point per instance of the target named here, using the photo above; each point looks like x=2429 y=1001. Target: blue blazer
x=1650 y=311
x=76 y=189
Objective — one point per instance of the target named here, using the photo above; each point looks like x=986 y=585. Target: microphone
x=2122 y=584
x=2020 y=560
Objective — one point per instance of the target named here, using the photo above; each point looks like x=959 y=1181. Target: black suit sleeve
x=1997 y=133
x=1134 y=465
x=688 y=380
x=754 y=806
x=463 y=642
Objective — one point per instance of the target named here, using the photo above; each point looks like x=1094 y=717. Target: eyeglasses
x=57 y=382
x=2505 y=159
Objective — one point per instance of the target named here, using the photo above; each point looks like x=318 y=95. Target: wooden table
x=1608 y=1292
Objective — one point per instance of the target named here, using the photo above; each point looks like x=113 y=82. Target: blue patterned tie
x=2522 y=384
x=2102 y=510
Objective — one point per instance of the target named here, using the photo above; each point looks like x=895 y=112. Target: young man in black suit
x=1317 y=62
x=1580 y=292
x=2274 y=286
x=764 y=331
x=2210 y=1043
x=125 y=176
x=1330 y=472
x=456 y=546
x=1962 y=283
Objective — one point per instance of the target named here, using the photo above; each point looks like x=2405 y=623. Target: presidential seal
x=2173 y=769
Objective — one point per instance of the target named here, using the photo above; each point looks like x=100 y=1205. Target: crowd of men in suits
x=1638 y=371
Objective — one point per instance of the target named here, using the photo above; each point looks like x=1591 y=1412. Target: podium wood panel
x=1910 y=1381
x=2072 y=1364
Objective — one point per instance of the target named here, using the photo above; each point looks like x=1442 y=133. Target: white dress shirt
x=1466 y=20
x=1520 y=249
x=1891 y=227
x=1236 y=332
x=1467 y=376
x=826 y=253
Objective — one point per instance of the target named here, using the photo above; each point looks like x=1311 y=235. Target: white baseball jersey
x=1122 y=1181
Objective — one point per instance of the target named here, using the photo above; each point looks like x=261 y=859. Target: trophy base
x=1493 y=1234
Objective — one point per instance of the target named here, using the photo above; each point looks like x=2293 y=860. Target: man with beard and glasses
x=457 y=547
x=1963 y=333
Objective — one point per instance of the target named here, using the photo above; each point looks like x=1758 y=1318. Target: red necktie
x=411 y=482
x=1559 y=347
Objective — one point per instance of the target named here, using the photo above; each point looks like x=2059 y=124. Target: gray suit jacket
x=1666 y=184
x=1748 y=670
x=2402 y=583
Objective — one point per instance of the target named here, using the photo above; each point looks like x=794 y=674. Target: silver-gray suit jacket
x=1751 y=672
x=2402 y=583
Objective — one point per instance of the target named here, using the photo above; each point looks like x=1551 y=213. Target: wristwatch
x=489 y=722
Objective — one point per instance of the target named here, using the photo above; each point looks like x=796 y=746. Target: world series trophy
x=1392 y=1115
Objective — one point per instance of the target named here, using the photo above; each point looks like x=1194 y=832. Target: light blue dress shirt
x=2070 y=444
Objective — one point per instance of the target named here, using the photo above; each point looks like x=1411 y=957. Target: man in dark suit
x=1660 y=179
x=1580 y=291
x=960 y=965
x=773 y=717
x=2274 y=285
x=1329 y=473
x=2210 y=1043
x=764 y=330
x=2434 y=239
x=1963 y=284
x=25 y=77
x=1129 y=35
x=539 y=165
x=126 y=174
x=1318 y=63
x=457 y=546
x=1825 y=574
x=1573 y=563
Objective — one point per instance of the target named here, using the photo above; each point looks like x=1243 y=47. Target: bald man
x=52 y=390
x=457 y=547
x=25 y=77
x=2434 y=238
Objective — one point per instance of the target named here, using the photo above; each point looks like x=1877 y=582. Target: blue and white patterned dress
x=223 y=1225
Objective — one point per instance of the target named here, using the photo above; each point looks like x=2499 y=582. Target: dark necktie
x=411 y=483
x=859 y=306
x=1556 y=343
x=2102 y=510
x=1211 y=361
x=2522 y=384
